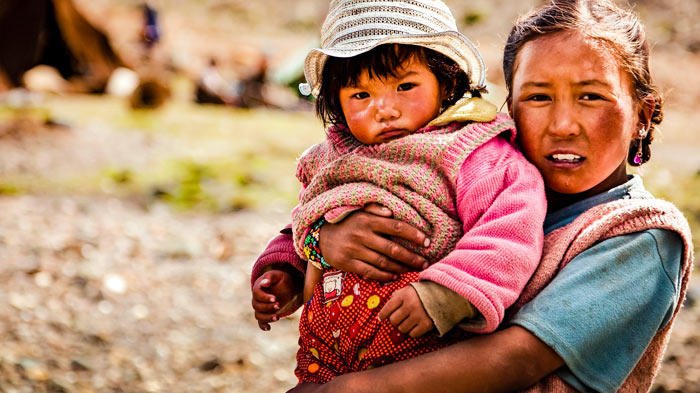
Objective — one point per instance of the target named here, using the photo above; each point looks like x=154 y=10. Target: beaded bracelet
x=311 y=249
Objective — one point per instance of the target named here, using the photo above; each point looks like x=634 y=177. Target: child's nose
x=387 y=110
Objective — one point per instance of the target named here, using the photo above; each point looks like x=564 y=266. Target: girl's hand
x=405 y=311
x=359 y=244
x=272 y=291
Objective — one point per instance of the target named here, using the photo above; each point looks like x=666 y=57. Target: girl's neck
x=558 y=200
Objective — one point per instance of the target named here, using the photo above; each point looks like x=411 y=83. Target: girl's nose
x=563 y=121
x=386 y=109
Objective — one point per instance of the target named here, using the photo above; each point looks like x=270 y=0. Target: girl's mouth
x=565 y=158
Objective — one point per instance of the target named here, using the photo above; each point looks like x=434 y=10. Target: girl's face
x=575 y=112
x=379 y=110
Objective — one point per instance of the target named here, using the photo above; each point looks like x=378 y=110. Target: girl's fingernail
x=266 y=328
x=426 y=242
x=277 y=307
x=425 y=265
x=386 y=210
x=264 y=281
x=275 y=318
x=272 y=299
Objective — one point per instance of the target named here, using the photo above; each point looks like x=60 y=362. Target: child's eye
x=406 y=86
x=361 y=95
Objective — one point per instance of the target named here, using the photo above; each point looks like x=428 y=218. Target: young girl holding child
x=391 y=79
x=597 y=313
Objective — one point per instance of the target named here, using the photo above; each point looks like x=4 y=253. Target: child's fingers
x=266 y=318
x=263 y=297
x=264 y=326
x=392 y=305
x=265 y=307
x=420 y=329
x=406 y=325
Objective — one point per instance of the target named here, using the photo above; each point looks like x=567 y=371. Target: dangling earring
x=641 y=134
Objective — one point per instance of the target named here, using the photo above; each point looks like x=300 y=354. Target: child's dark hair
x=381 y=62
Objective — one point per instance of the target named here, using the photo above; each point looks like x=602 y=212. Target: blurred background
x=147 y=154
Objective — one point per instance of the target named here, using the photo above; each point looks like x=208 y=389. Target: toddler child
x=400 y=88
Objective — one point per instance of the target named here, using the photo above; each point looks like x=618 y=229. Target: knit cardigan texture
x=414 y=176
x=477 y=198
x=597 y=224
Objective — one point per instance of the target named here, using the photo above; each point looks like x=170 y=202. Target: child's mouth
x=392 y=133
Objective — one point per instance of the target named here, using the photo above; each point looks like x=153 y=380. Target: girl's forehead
x=568 y=56
x=411 y=66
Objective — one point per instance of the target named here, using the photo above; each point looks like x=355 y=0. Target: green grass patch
x=221 y=158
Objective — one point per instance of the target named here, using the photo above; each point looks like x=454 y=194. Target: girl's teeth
x=566 y=157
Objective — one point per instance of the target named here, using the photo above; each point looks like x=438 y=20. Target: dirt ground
x=106 y=294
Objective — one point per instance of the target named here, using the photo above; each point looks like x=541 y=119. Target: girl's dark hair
x=381 y=62
x=617 y=29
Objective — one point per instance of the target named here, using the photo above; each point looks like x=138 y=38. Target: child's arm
x=502 y=207
x=284 y=270
x=275 y=293
x=405 y=311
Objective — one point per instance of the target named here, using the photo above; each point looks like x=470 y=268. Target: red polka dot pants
x=340 y=332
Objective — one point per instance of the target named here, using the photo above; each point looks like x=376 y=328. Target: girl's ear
x=646 y=111
x=509 y=102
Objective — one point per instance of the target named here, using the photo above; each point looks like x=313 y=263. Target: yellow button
x=373 y=301
x=347 y=301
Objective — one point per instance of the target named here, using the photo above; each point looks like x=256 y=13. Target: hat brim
x=452 y=44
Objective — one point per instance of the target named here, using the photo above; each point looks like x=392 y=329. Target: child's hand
x=405 y=311
x=272 y=291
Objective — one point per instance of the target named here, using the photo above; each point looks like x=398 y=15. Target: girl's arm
x=506 y=361
x=359 y=244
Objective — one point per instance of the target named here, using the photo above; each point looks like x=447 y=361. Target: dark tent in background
x=54 y=33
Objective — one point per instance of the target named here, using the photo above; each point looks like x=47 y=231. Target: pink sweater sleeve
x=280 y=249
x=501 y=203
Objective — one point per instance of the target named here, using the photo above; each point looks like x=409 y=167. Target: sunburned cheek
x=355 y=115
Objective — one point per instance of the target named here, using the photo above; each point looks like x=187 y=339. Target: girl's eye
x=360 y=95
x=591 y=97
x=537 y=97
x=406 y=86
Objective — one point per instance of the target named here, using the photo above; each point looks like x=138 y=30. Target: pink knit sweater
x=473 y=193
x=600 y=223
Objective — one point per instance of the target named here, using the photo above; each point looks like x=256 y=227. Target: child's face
x=379 y=110
x=575 y=113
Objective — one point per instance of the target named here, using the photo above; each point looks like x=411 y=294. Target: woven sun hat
x=353 y=27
